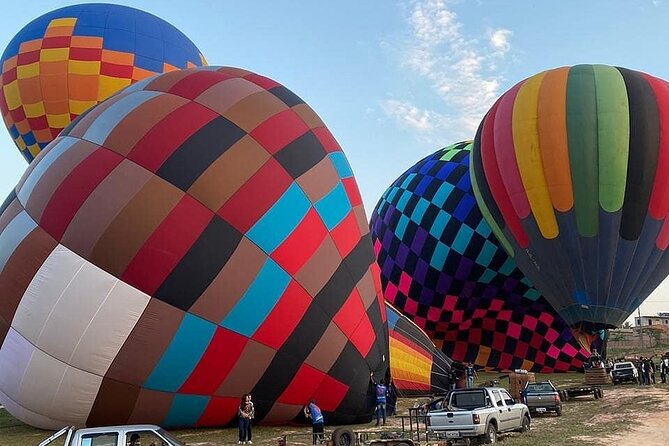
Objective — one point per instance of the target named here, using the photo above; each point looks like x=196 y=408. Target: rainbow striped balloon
x=571 y=169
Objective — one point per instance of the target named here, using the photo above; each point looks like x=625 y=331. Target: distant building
x=662 y=319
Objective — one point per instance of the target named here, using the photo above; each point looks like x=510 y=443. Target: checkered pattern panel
x=70 y=59
x=507 y=334
x=432 y=242
x=222 y=196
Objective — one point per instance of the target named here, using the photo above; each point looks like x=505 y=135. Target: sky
x=396 y=80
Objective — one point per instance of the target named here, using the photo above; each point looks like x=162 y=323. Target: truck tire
x=343 y=437
x=525 y=426
x=490 y=436
x=600 y=393
x=558 y=411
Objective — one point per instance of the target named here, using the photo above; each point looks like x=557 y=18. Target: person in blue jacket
x=381 y=393
x=314 y=412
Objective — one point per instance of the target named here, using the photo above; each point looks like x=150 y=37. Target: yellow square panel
x=63 y=21
x=27 y=71
x=78 y=107
x=54 y=54
x=58 y=121
x=83 y=67
x=110 y=85
x=34 y=149
x=12 y=96
x=34 y=110
x=20 y=143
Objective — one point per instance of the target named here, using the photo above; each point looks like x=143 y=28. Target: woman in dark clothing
x=245 y=414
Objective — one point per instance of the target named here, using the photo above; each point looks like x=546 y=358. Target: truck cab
x=478 y=413
x=127 y=435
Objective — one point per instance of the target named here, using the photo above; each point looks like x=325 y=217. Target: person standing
x=381 y=392
x=245 y=414
x=312 y=411
x=470 y=373
x=664 y=368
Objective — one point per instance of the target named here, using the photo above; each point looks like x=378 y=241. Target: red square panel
x=505 y=360
x=163 y=250
x=165 y=137
x=75 y=189
x=263 y=82
x=346 y=235
x=330 y=393
x=521 y=349
x=26 y=59
x=301 y=244
x=350 y=314
x=326 y=139
x=256 y=196
x=56 y=42
x=363 y=336
x=498 y=341
x=303 y=386
x=219 y=412
x=279 y=130
x=196 y=83
x=352 y=191
x=216 y=362
x=116 y=70
x=284 y=317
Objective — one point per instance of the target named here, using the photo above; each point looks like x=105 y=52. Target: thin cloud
x=460 y=70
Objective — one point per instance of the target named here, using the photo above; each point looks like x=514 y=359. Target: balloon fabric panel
x=443 y=268
x=596 y=133
x=68 y=60
x=227 y=308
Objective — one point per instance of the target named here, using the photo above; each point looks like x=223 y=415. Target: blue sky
x=396 y=80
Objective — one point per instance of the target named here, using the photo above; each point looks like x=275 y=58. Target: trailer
x=569 y=393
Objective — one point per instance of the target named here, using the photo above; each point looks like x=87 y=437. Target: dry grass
x=582 y=420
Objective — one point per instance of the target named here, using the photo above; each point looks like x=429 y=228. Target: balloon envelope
x=196 y=237
x=571 y=170
x=66 y=61
x=417 y=367
x=442 y=266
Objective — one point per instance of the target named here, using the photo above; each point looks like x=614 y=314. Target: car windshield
x=624 y=366
x=468 y=400
x=540 y=387
x=169 y=437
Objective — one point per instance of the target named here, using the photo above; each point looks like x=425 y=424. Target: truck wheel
x=343 y=437
x=490 y=436
x=558 y=411
x=525 y=427
x=600 y=392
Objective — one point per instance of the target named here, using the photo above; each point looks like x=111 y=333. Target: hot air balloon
x=417 y=367
x=570 y=169
x=198 y=236
x=66 y=61
x=442 y=266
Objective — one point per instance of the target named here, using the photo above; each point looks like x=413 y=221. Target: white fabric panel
x=53 y=388
x=30 y=417
x=15 y=356
x=78 y=313
x=109 y=328
x=41 y=296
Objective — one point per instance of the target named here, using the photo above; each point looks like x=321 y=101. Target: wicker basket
x=517 y=382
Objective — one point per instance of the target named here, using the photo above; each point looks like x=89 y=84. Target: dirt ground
x=650 y=426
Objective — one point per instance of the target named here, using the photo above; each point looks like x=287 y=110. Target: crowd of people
x=647 y=368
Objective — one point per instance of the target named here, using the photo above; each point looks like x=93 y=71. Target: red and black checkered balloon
x=193 y=238
x=442 y=266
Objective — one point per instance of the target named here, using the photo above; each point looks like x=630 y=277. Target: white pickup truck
x=480 y=414
x=128 y=435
